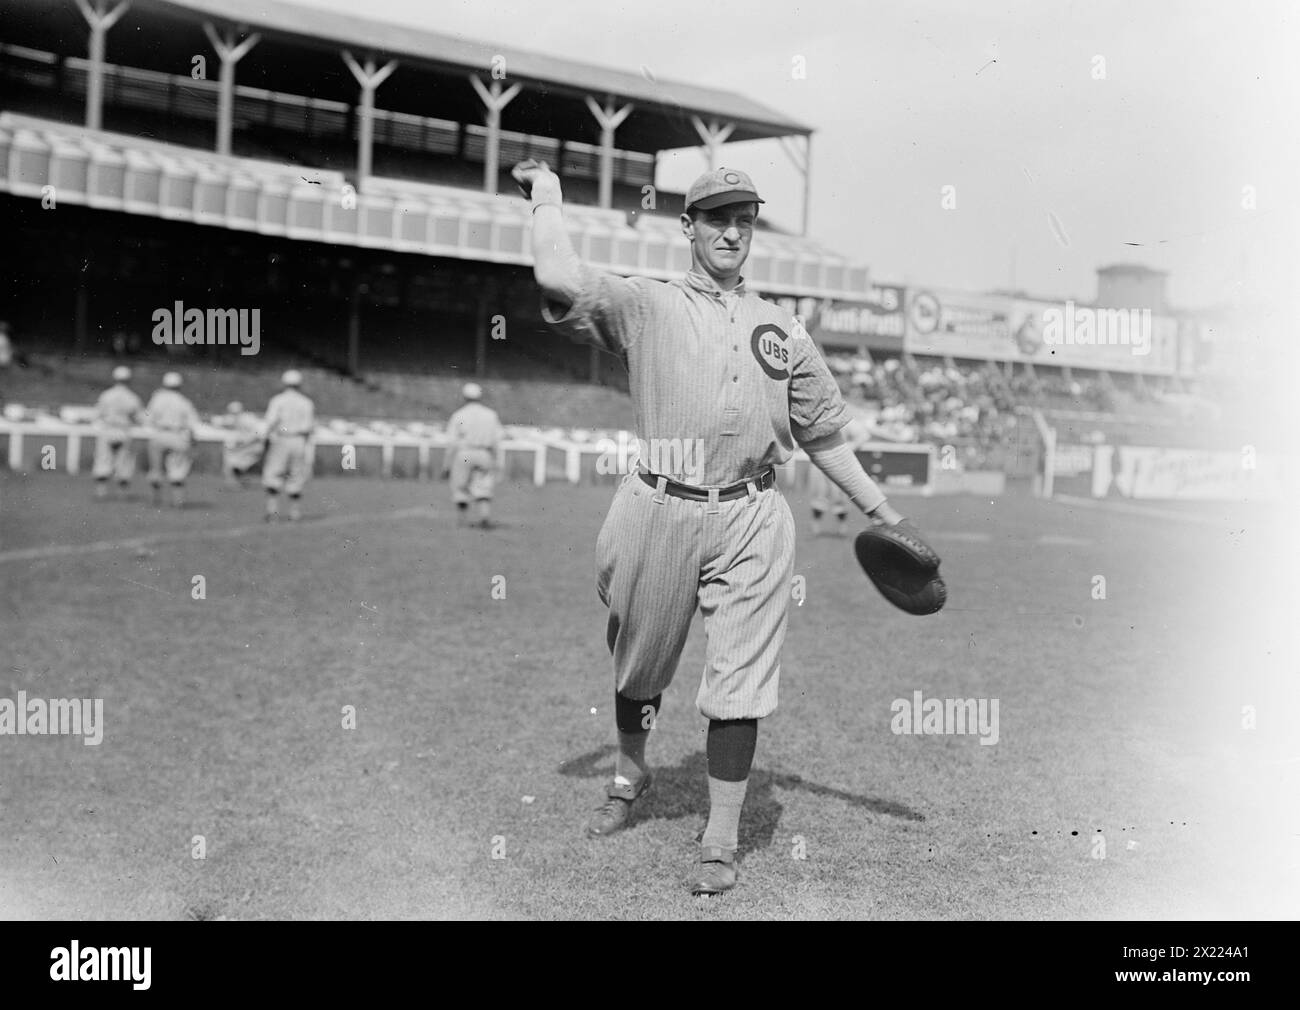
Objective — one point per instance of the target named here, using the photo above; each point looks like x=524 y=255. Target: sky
x=1073 y=135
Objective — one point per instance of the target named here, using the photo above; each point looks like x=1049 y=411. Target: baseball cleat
x=616 y=810
x=716 y=872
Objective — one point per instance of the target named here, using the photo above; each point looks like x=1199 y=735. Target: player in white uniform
x=244 y=445
x=290 y=421
x=475 y=432
x=173 y=423
x=116 y=412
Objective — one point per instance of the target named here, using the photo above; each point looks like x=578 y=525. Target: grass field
x=484 y=725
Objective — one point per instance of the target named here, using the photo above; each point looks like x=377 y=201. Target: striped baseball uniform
x=734 y=380
x=476 y=433
x=117 y=410
x=290 y=421
x=172 y=420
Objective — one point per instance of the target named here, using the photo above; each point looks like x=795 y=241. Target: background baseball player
x=290 y=421
x=824 y=494
x=173 y=423
x=243 y=448
x=707 y=359
x=117 y=411
x=475 y=433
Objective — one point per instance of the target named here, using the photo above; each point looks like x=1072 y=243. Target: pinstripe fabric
x=727 y=368
x=659 y=557
x=740 y=381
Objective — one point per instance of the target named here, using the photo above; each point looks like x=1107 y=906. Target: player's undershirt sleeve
x=835 y=458
x=609 y=311
x=817 y=407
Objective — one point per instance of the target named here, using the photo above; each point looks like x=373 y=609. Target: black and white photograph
x=612 y=461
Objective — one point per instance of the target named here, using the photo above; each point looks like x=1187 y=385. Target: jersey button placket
x=735 y=347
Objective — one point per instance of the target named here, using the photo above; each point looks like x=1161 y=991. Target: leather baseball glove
x=902 y=566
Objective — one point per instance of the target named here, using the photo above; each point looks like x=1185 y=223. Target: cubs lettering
x=768 y=343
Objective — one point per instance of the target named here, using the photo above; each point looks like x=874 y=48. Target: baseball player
x=475 y=432
x=826 y=496
x=290 y=421
x=117 y=411
x=244 y=448
x=707 y=360
x=173 y=423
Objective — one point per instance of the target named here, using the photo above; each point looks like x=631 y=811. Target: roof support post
x=100 y=20
x=494 y=100
x=369 y=78
x=609 y=121
x=803 y=162
x=714 y=135
x=230 y=54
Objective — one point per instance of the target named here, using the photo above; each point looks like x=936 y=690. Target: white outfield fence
x=73 y=446
x=68 y=446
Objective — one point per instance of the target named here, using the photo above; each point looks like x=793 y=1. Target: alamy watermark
x=1079 y=325
x=83 y=717
x=679 y=458
x=216 y=327
x=946 y=717
x=75 y=963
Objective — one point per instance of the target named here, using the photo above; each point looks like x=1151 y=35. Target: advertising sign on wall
x=876 y=322
x=1207 y=475
x=998 y=328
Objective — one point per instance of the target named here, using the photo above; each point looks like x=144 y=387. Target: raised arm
x=555 y=262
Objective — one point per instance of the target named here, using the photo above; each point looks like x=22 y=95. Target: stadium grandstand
x=343 y=175
x=349 y=180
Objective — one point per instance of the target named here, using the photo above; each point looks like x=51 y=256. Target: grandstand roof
x=661 y=120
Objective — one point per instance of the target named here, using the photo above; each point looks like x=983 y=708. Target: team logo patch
x=770 y=345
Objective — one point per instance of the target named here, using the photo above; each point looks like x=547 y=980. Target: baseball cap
x=121 y=374
x=292 y=377
x=172 y=380
x=471 y=391
x=720 y=187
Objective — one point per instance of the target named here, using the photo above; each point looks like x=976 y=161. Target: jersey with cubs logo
x=725 y=372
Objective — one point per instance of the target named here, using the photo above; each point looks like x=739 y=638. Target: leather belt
x=762 y=482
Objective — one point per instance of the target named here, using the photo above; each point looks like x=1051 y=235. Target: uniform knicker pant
x=658 y=558
x=114 y=456
x=169 y=452
x=473 y=474
x=287 y=465
x=241 y=456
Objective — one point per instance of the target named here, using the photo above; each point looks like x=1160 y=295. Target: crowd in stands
x=910 y=400
x=919 y=398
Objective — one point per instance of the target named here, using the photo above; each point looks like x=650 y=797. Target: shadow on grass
x=682 y=790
